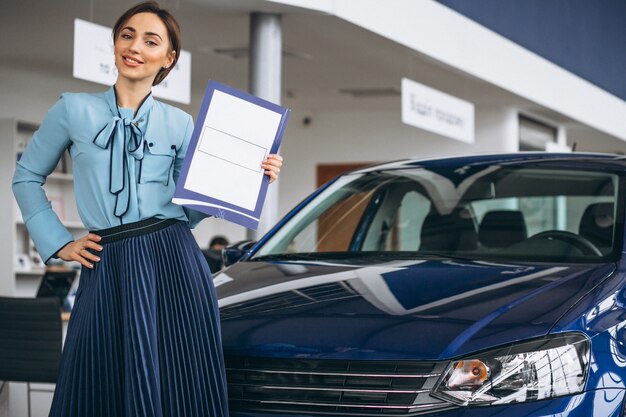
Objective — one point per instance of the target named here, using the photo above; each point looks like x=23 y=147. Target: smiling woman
x=144 y=337
x=148 y=39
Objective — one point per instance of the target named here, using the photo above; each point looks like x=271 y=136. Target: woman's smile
x=142 y=48
x=133 y=62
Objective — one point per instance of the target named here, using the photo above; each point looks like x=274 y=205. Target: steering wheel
x=579 y=242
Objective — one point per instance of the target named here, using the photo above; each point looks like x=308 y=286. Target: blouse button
x=173 y=146
x=151 y=144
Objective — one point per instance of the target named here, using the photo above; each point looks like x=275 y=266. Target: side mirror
x=236 y=251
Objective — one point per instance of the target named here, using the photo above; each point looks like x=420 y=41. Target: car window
x=543 y=213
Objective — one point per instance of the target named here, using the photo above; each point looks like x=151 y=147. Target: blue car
x=489 y=285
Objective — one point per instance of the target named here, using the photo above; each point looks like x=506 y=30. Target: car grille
x=337 y=387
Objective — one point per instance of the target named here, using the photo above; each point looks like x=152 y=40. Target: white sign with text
x=94 y=61
x=437 y=112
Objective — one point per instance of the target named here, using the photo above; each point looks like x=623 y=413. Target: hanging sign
x=437 y=112
x=94 y=61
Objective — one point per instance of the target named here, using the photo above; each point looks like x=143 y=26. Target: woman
x=144 y=337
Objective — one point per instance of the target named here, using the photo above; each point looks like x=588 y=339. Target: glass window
x=535 y=135
x=540 y=212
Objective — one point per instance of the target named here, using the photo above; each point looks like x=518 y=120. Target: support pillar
x=265 y=82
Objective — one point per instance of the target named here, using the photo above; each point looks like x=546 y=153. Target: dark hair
x=218 y=240
x=173 y=30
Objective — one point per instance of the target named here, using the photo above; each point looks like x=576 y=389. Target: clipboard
x=221 y=174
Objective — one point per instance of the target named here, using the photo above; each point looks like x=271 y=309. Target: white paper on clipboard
x=236 y=137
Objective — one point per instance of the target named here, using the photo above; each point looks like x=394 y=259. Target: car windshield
x=533 y=212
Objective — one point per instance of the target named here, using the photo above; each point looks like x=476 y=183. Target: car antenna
x=574 y=147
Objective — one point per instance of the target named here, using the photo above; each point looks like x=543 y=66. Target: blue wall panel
x=586 y=37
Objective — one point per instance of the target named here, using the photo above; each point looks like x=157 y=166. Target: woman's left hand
x=272 y=165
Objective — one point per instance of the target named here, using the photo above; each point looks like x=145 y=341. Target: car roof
x=614 y=160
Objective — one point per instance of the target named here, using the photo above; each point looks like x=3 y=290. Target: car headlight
x=533 y=370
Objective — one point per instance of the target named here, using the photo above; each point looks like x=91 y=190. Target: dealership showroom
x=351 y=84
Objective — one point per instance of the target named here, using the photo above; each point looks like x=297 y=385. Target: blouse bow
x=122 y=137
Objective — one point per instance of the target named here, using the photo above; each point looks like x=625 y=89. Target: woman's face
x=142 y=48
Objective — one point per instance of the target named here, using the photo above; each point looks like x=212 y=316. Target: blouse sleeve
x=38 y=160
x=194 y=217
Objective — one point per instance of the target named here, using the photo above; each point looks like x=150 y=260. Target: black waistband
x=139 y=228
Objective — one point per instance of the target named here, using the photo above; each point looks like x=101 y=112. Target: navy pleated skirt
x=144 y=336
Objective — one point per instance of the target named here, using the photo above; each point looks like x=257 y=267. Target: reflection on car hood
x=422 y=309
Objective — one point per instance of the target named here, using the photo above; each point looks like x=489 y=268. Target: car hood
x=420 y=310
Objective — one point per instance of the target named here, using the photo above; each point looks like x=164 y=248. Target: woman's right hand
x=77 y=250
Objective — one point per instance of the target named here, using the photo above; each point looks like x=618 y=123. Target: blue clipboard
x=205 y=151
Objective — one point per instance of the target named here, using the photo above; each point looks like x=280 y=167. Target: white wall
x=28 y=93
x=590 y=140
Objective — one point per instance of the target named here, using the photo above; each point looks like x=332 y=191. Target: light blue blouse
x=125 y=166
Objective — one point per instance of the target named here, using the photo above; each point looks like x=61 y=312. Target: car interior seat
x=596 y=225
x=502 y=228
x=447 y=233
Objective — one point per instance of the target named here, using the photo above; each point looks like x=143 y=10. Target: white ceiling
x=339 y=55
